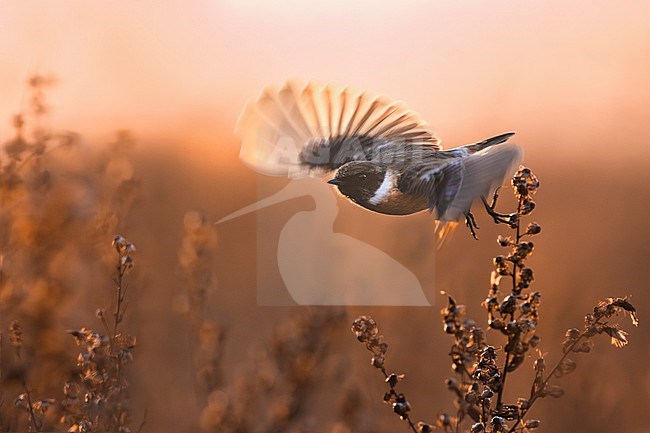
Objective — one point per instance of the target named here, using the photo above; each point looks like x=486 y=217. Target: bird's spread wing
x=451 y=185
x=300 y=130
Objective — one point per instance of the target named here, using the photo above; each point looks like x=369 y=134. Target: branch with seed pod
x=479 y=391
x=366 y=331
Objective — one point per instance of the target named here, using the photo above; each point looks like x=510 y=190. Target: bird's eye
x=362 y=176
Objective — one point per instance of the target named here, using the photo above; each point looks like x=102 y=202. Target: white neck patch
x=384 y=189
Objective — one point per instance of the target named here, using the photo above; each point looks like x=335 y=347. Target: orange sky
x=566 y=75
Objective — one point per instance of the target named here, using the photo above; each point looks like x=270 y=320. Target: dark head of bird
x=359 y=181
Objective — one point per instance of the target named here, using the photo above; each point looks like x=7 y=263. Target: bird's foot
x=470 y=222
x=499 y=218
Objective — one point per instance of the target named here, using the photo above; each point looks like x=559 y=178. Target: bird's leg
x=499 y=218
x=471 y=224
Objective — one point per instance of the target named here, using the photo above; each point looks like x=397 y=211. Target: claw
x=471 y=224
x=499 y=218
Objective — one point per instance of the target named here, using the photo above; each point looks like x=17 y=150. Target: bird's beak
x=334 y=181
x=292 y=190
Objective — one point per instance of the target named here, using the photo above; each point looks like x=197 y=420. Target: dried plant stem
x=505 y=374
x=517 y=226
x=460 y=414
x=516 y=316
x=144 y=421
x=33 y=156
x=392 y=388
x=25 y=399
x=98 y=402
x=120 y=306
x=366 y=331
x=535 y=395
x=30 y=407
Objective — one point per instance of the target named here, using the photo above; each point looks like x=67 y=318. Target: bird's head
x=359 y=180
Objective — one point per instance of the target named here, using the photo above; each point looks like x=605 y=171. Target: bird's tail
x=481 y=173
x=481 y=145
x=444 y=230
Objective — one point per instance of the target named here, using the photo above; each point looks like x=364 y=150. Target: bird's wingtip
x=502 y=137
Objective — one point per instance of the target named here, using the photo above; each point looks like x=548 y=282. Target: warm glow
x=212 y=305
x=561 y=74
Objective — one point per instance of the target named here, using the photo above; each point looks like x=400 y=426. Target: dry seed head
x=525 y=277
x=496 y=324
x=402 y=409
x=612 y=306
x=21 y=401
x=508 y=411
x=129 y=248
x=534 y=340
x=584 y=347
x=17 y=121
x=487 y=393
x=444 y=420
x=527 y=206
x=118 y=242
x=471 y=397
x=16 y=334
x=498 y=424
x=71 y=390
x=524 y=182
x=378 y=361
x=504 y=241
x=478 y=427
x=393 y=378
x=365 y=328
x=452 y=384
x=495 y=279
x=525 y=325
x=44 y=404
x=508 y=305
x=554 y=391
x=532 y=423
x=501 y=265
x=618 y=337
x=523 y=403
x=567 y=366
x=533 y=229
x=127 y=262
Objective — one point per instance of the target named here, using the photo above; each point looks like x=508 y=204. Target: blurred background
x=152 y=92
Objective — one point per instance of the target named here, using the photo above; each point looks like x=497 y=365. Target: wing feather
x=369 y=112
x=285 y=124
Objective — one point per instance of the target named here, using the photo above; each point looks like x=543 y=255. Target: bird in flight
x=385 y=158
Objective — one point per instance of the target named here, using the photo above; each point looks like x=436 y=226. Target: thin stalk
x=459 y=421
x=514 y=288
x=32 y=416
x=407 y=418
x=534 y=397
x=119 y=283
